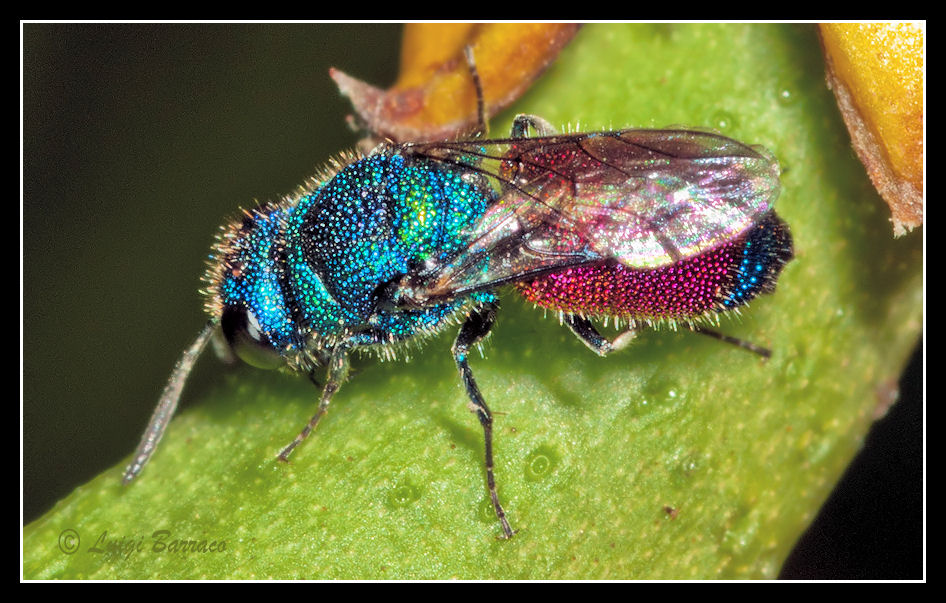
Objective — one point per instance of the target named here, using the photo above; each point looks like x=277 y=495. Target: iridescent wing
x=647 y=198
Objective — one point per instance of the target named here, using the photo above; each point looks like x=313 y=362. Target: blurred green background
x=139 y=140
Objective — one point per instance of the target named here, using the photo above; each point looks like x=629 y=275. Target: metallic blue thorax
x=317 y=266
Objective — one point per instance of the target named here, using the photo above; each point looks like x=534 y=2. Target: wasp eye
x=248 y=341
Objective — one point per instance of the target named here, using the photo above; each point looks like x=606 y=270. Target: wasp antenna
x=168 y=403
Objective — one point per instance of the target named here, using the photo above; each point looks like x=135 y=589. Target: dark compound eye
x=243 y=333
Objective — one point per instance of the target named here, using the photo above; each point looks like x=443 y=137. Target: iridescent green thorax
x=312 y=270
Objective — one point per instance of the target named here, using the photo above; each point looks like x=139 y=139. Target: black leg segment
x=477 y=326
x=337 y=371
x=741 y=343
x=596 y=342
x=523 y=123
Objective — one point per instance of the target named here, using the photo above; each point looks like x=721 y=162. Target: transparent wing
x=647 y=198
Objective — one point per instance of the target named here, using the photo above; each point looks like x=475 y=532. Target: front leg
x=477 y=326
x=337 y=371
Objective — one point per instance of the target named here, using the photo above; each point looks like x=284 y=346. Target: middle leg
x=476 y=327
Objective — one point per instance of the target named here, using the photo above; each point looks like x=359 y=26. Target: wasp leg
x=600 y=345
x=596 y=342
x=522 y=123
x=482 y=125
x=337 y=371
x=746 y=345
x=476 y=327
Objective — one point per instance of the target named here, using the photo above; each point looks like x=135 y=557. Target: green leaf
x=678 y=458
